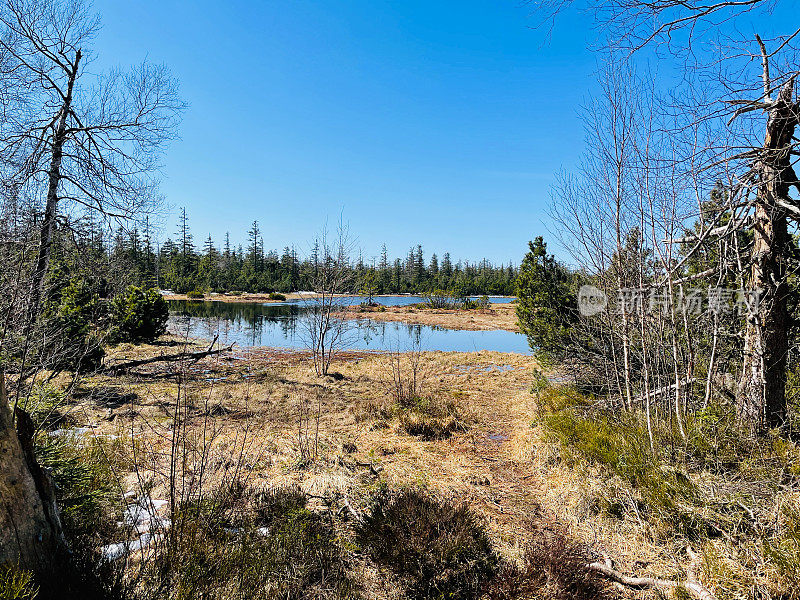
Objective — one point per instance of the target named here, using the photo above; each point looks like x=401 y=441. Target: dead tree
x=762 y=389
x=719 y=142
x=30 y=530
x=692 y=585
x=92 y=141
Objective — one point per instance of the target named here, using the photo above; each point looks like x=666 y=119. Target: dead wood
x=692 y=584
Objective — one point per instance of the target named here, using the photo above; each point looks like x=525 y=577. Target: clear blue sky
x=440 y=123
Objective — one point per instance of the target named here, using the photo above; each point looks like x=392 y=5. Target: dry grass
x=499 y=316
x=229 y=297
x=244 y=407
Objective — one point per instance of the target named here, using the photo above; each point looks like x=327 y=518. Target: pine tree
x=255 y=248
x=186 y=246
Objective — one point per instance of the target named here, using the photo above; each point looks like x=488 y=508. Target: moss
x=17 y=585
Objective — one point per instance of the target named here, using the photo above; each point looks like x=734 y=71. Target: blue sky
x=440 y=123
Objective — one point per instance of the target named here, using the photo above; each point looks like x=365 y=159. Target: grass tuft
x=17 y=585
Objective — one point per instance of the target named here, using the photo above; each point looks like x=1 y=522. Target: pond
x=281 y=325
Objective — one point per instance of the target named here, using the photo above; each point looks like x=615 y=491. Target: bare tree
x=67 y=135
x=326 y=328
x=70 y=140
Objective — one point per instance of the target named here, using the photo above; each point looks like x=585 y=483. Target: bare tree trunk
x=30 y=531
x=51 y=206
x=762 y=389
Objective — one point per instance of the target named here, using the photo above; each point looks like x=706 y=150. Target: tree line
x=179 y=265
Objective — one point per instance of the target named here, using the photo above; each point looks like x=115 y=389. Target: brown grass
x=496 y=460
x=246 y=297
x=499 y=316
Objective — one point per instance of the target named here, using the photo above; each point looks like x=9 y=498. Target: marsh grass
x=783 y=549
x=432 y=418
x=727 y=492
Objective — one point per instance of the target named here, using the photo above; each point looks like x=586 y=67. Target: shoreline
x=265 y=299
x=498 y=317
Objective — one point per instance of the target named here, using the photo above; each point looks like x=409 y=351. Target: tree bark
x=30 y=530
x=762 y=388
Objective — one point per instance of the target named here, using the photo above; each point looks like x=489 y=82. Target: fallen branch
x=354 y=464
x=691 y=585
x=665 y=389
x=131 y=364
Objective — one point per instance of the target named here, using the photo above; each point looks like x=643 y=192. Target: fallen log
x=131 y=364
x=692 y=584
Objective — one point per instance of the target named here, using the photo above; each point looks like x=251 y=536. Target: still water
x=281 y=325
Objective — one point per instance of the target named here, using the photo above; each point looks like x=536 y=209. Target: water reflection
x=282 y=325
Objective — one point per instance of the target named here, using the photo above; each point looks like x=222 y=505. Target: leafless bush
x=326 y=328
x=407 y=374
x=309 y=413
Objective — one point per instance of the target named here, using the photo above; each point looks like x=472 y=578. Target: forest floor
x=498 y=316
x=267 y=412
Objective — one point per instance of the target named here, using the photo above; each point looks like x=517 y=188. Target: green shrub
x=277 y=296
x=44 y=405
x=195 y=295
x=546 y=306
x=138 y=315
x=83 y=468
x=480 y=303
x=70 y=320
x=87 y=489
x=439 y=299
x=438 y=550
